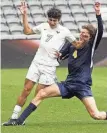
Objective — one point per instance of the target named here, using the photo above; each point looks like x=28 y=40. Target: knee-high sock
x=26 y=112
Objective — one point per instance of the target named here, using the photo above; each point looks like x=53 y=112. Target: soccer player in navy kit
x=79 y=80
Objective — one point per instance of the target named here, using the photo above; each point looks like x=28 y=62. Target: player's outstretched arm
x=23 y=10
x=99 y=33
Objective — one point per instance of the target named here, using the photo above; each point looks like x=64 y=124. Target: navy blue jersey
x=80 y=61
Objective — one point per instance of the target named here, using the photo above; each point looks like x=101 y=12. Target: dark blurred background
x=19 y=53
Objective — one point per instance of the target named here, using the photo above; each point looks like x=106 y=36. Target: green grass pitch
x=54 y=115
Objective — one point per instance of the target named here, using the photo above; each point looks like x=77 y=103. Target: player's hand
x=97 y=8
x=57 y=53
x=23 y=8
x=64 y=57
x=80 y=44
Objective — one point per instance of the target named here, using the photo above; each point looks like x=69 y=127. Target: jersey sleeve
x=69 y=36
x=99 y=32
x=37 y=29
x=65 y=50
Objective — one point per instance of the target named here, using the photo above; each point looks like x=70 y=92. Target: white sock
x=16 y=111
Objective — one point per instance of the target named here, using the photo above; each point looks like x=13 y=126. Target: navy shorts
x=74 y=89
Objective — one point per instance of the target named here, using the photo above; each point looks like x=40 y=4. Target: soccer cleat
x=12 y=122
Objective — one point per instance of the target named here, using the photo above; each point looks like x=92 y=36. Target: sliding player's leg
x=92 y=109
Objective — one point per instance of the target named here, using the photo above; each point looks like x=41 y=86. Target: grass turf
x=54 y=115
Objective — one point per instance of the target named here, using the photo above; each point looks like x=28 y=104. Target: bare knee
x=41 y=94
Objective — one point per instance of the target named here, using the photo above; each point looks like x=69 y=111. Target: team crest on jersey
x=75 y=54
x=58 y=32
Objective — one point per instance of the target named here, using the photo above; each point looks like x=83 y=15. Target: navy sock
x=26 y=112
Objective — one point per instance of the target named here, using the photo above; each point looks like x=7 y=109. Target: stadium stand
x=75 y=13
x=39 y=19
x=33 y=4
x=46 y=5
x=7 y=4
x=16 y=29
x=4 y=29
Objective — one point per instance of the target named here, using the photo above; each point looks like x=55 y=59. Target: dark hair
x=54 y=13
x=91 y=29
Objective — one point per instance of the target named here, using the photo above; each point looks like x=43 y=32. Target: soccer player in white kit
x=43 y=67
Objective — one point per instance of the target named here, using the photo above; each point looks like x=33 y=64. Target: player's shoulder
x=65 y=29
x=45 y=24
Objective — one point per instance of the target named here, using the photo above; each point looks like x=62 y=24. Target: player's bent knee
x=27 y=90
x=42 y=94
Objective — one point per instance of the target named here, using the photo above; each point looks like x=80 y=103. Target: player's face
x=84 y=35
x=53 y=22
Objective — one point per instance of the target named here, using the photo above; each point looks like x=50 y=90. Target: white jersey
x=51 y=40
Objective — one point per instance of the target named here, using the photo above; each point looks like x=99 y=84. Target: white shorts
x=42 y=74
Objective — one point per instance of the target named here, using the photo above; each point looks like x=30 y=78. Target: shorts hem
x=31 y=79
x=46 y=83
x=81 y=98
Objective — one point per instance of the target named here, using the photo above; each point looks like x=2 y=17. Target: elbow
x=26 y=32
